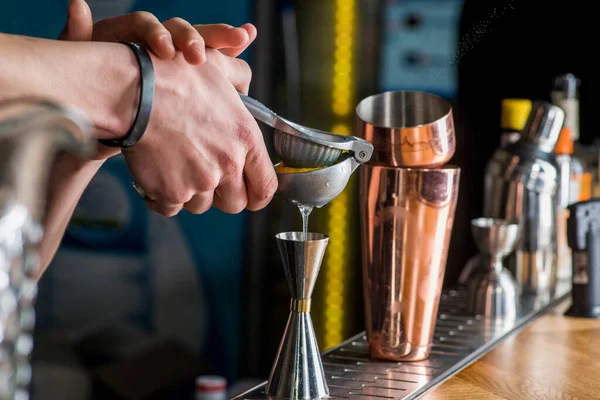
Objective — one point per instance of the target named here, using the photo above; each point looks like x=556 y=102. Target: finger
x=200 y=203
x=187 y=39
x=236 y=51
x=231 y=196
x=139 y=27
x=222 y=36
x=79 y=25
x=166 y=210
x=261 y=181
x=238 y=72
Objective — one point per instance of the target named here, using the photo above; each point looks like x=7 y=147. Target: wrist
x=121 y=77
x=146 y=99
x=100 y=78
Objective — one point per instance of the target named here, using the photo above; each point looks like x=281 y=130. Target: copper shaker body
x=407 y=211
x=407 y=217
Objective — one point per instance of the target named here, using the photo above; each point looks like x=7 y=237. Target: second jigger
x=492 y=288
x=297 y=372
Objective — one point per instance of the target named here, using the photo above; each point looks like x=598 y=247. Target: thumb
x=79 y=26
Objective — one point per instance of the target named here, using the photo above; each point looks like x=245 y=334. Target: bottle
x=580 y=188
x=564 y=149
x=580 y=180
x=513 y=116
x=565 y=94
x=211 y=387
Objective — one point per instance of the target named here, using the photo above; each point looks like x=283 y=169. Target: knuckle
x=176 y=195
x=165 y=211
x=208 y=182
x=230 y=165
x=199 y=204
x=192 y=32
x=234 y=207
x=198 y=210
x=239 y=207
x=248 y=133
x=175 y=20
x=143 y=17
x=245 y=70
x=270 y=187
x=157 y=32
x=170 y=212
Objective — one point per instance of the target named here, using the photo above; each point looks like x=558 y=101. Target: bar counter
x=555 y=357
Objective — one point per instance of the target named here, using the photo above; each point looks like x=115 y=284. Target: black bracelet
x=146 y=99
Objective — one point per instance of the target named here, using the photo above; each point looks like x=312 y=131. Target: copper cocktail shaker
x=407 y=201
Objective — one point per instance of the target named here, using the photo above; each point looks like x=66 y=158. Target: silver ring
x=140 y=191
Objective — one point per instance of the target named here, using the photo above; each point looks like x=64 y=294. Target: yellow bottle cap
x=515 y=113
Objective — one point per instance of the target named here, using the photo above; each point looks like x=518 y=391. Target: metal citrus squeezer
x=336 y=157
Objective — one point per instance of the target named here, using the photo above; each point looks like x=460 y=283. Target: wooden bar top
x=555 y=357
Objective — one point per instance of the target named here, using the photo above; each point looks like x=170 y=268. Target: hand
x=214 y=156
x=144 y=28
x=162 y=39
x=195 y=162
x=175 y=34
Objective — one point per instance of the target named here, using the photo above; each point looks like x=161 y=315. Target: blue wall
x=419 y=42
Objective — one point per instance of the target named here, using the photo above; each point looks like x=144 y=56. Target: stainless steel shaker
x=521 y=183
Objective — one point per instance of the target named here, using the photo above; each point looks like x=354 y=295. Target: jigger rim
x=298 y=236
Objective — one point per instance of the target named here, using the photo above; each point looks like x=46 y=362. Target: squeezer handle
x=259 y=110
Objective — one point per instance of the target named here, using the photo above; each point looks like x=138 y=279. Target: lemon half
x=281 y=168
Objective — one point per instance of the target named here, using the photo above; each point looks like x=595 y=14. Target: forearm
x=99 y=78
x=69 y=178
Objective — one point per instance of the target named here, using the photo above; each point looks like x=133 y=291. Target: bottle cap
x=543 y=126
x=514 y=113
x=211 y=383
x=567 y=84
x=565 y=142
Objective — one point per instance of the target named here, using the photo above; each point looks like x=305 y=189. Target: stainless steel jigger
x=297 y=372
x=493 y=290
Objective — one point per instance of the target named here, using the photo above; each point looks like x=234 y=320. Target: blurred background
x=135 y=305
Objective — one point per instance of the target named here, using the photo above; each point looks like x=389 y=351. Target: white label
x=571 y=109
x=574 y=189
